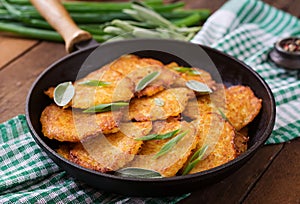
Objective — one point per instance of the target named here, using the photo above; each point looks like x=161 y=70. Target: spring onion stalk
x=101 y=17
x=19 y=29
x=113 y=30
x=102 y=38
x=107 y=6
x=152 y=17
x=21 y=2
x=179 y=13
x=145 y=33
x=98 y=17
x=168 y=7
x=4 y=15
x=187 y=30
x=93 y=28
x=12 y=10
x=38 y=23
x=87 y=18
x=116 y=7
x=92 y=7
x=158 y=26
x=188 y=21
x=83 y=3
x=127 y=27
x=139 y=24
x=107 y=20
x=95 y=6
x=42 y=34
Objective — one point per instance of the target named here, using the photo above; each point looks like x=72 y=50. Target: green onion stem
x=92 y=7
x=42 y=34
x=191 y=20
x=179 y=13
x=149 y=18
x=84 y=3
x=35 y=33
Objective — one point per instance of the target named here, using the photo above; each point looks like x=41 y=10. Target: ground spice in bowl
x=286 y=53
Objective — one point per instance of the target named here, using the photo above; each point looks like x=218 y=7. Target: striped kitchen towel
x=28 y=175
x=247 y=30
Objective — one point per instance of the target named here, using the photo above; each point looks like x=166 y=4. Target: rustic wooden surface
x=271 y=176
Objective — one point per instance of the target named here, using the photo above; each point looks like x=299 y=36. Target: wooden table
x=271 y=176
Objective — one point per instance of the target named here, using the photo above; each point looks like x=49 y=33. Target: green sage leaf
x=146 y=80
x=63 y=93
x=187 y=70
x=106 y=107
x=195 y=159
x=198 y=86
x=168 y=146
x=158 y=136
x=133 y=172
x=94 y=83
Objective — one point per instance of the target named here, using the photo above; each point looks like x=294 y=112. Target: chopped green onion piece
x=186 y=70
x=168 y=146
x=158 y=136
x=94 y=83
x=195 y=159
x=106 y=107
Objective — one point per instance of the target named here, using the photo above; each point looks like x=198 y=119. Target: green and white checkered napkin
x=28 y=175
x=245 y=29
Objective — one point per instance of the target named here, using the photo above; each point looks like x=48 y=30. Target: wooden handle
x=57 y=16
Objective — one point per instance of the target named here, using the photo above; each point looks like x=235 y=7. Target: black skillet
x=231 y=71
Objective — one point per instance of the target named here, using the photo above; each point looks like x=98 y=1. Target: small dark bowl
x=232 y=72
x=286 y=59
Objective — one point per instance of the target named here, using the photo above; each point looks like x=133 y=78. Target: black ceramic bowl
x=285 y=57
x=232 y=71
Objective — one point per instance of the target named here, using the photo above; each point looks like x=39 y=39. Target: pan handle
x=57 y=16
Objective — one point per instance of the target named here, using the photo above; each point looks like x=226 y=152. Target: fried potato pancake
x=167 y=103
x=198 y=75
x=80 y=156
x=110 y=152
x=50 y=92
x=209 y=103
x=168 y=164
x=106 y=141
x=135 y=129
x=165 y=79
x=137 y=68
x=219 y=136
x=128 y=63
x=242 y=106
x=65 y=126
x=64 y=150
x=240 y=140
x=238 y=104
x=119 y=89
